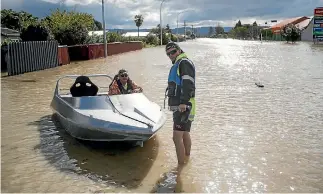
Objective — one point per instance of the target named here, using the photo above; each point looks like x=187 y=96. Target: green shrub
x=74 y=34
x=151 y=39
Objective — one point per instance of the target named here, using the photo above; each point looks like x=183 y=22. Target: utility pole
x=104 y=35
x=161 y=24
x=185 y=29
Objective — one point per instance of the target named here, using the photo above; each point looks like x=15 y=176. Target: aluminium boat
x=88 y=114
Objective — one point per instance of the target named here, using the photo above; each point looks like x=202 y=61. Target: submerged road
x=245 y=138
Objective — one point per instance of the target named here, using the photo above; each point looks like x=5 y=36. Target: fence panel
x=31 y=56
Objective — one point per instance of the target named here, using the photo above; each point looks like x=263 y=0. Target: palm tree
x=139 y=19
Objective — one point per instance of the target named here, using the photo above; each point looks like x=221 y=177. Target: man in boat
x=181 y=99
x=122 y=84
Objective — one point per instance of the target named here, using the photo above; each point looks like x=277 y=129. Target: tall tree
x=139 y=19
x=238 y=24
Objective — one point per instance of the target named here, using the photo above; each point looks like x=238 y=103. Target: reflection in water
x=171 y=182
x=115 y=164
x=244 y=138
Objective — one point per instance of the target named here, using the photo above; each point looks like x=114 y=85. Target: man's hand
x=137 y=90
x=182 y=107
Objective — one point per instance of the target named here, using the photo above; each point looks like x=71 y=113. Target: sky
x=120 y=13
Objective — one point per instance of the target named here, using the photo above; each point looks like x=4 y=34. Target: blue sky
x=120 y=13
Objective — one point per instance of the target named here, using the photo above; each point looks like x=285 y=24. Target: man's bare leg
x=180 y=148
x=187 y=143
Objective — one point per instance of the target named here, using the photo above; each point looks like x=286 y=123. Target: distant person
x=181 y=99
x=122 y=84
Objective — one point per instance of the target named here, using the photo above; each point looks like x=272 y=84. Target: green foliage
x=238 y=24
x=62 y=20
x=267 y=34
x=139 y=19
x=166 y=33
x=35 y=32
x=239 y=32
x=17 y=20
x=246 y=31
x=70 y=28
x=173 y=38
x=74 y=34
x=290 y=32
x=151 y=39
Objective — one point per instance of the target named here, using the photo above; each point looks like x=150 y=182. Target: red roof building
x=297 y=20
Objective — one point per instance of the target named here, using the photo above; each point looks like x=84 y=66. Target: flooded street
x=244 y=138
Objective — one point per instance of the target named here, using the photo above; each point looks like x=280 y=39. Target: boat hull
x=109 y=135
x=99 y=117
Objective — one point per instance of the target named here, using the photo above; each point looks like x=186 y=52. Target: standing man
x=181 y=99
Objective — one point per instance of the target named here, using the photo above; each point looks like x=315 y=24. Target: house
x=12 y=35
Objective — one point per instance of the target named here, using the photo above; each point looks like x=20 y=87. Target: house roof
x=302 y=25
x=295 y=21
x=9 y=32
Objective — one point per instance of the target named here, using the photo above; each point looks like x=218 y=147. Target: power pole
x=104 y=32
x=185 y=29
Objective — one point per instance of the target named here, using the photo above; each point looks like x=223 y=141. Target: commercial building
x=301 y=23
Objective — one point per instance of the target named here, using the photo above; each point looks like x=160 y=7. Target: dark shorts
x=180 y=126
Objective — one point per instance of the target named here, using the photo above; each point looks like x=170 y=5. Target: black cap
x=172 y=45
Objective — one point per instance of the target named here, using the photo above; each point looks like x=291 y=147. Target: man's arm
x=114 y=89
x=187 y=74
x=136 y=87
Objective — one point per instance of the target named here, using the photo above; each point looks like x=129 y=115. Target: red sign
x=318 y=12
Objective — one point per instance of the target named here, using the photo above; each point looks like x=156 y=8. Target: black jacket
x=187 y=74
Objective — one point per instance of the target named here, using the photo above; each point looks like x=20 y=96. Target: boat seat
x=83 y=87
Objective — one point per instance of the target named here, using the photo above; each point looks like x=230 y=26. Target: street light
x=161 y=33
x=177 y=24
x=104 y=35
x=177 y=21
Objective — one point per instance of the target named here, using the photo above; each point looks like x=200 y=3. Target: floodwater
x=245 y=138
